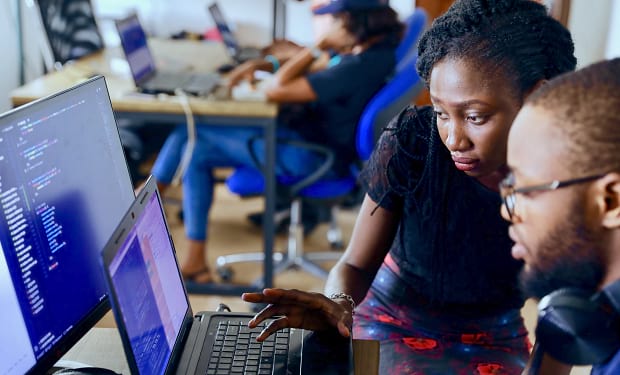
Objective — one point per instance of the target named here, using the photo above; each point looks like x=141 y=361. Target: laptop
x=235 y=51
x=146 y=76
x=161 y=335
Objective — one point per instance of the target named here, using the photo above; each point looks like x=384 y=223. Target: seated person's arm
x=290 y=83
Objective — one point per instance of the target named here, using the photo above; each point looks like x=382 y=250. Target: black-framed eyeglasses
x=509 y=192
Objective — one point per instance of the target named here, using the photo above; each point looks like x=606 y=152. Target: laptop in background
x=146 y=76
x=161 y=335
x=235 y=51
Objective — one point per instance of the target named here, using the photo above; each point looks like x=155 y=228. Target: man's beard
x=569 y=257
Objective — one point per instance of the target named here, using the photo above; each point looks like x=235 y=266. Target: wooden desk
x=215 y=109
x=102 y=347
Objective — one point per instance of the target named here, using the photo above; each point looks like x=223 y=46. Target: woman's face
x=474 y=113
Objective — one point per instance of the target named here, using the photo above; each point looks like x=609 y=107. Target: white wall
x=613 y=43
x=10 y=67
x=252 y=18
x=589 y=23
x=9 y=47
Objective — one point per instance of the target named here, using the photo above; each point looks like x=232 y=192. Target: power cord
x=191 y=137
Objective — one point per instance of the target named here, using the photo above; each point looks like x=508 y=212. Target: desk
x=180 y=55
x=102 y=347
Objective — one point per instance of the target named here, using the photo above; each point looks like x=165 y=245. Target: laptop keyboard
x=236 y=351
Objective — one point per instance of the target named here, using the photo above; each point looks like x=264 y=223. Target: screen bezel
x=47 y=360
x=107 y=255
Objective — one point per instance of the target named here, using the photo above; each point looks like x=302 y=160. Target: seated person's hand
x=243 y=72
x=297 y=309
x=282 y=49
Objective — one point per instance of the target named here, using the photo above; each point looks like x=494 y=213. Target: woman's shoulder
x=414 y=125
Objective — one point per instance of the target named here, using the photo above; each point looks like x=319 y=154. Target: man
x=563 y=193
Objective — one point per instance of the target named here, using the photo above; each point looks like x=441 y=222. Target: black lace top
x=452 y=245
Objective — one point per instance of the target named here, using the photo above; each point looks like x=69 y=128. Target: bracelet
x=345 y=297
x=274 y=62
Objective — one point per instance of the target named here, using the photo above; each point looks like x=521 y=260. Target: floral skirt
x=417 y=339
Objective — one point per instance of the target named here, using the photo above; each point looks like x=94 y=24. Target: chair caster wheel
x=225 y=273
x=338 y=245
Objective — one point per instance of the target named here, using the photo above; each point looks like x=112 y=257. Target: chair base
x=294 y=258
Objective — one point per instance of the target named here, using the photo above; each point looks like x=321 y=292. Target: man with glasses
x=562 y=196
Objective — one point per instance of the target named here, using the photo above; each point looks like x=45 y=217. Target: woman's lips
x=465 y=164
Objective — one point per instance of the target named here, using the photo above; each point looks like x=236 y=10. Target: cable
x=191 y=137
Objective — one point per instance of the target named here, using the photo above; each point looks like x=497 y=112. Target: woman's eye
x=476 y=119
x=441 y=115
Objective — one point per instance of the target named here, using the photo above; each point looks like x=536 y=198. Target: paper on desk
x=246 y=91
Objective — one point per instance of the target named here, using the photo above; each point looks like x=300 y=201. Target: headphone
x=578 y=328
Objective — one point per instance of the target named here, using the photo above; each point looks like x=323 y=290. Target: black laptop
x=160 y=333
x=235 y=51
x=147 y=77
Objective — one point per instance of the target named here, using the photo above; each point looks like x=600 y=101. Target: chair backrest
x=414 y=25
x=399 y=92
x=71 y=28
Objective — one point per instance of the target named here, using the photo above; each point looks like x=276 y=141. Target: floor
x=230 y=232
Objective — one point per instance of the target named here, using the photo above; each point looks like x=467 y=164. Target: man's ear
x=609 y=200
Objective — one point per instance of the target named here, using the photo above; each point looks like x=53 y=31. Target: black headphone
x=578 y=328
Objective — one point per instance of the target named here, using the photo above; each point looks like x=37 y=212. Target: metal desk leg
x=270 y=201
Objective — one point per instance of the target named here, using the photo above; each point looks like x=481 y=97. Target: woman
x=321 y=104
x=429 y=260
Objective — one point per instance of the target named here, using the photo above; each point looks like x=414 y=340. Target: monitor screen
x=64 y=187
x=134 y=43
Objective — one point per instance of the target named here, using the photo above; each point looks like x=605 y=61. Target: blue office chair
x=395 y=95
x=414 y=25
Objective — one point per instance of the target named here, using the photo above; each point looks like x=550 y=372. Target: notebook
x=235 y=51
x=146 y=76
x=161 y=335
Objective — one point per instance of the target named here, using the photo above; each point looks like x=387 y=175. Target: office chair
x=400 y=90
x=414 y=25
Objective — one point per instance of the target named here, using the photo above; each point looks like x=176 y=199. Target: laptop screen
x=64 y=186
x=148 y=289
x=222 y=26
x=137 y=53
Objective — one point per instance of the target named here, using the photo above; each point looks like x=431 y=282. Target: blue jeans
x=221 y=146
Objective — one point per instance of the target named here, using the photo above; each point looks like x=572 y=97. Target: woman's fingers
x=266 y=313
x=273 y=327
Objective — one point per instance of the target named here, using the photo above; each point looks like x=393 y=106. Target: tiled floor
x=230 y=232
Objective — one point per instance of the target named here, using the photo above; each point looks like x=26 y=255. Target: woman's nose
x=457 y=139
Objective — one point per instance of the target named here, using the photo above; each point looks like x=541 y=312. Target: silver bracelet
x=346 y=297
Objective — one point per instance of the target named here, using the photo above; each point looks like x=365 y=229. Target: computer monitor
x=64 y=186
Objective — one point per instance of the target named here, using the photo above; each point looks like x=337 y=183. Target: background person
x=328 y=104
x=429 y=258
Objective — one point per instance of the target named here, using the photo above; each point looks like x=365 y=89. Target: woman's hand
x=297 y=309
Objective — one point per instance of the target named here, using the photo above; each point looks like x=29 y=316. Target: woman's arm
x=370 y=242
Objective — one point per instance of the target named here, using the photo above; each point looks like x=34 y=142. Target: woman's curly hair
x=515 y=37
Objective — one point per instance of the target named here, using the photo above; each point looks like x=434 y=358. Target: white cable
x=191 y=137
